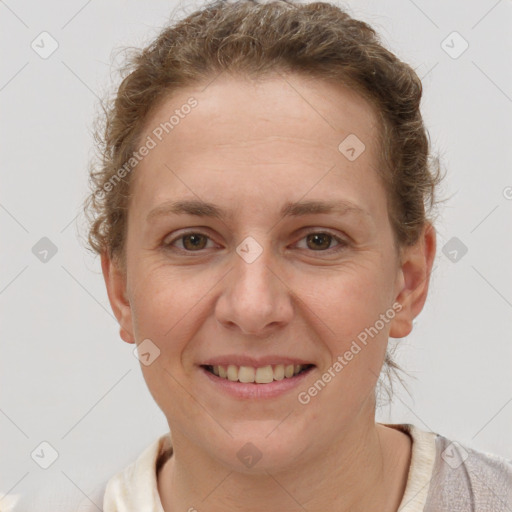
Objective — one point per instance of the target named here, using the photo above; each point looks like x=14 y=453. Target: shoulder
x=135 y=488
x=467 y=479
x=448 y=476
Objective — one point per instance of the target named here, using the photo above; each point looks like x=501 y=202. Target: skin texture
x=249 y=147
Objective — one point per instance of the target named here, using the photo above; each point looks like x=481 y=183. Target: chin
x=257 y=448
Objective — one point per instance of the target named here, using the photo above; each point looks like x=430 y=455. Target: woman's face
x=255 y=281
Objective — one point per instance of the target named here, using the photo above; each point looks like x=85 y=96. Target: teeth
x=232 y=372
x=246 y=374
x=262 y=375
x=279 y=372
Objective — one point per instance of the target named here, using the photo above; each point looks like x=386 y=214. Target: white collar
x=135 y=489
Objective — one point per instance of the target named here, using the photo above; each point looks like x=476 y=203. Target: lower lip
x=253 y=390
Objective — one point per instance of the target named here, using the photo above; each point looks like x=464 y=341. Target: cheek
x=160 y=304
x=163 y=308
x=347 y=300
x=347 y=308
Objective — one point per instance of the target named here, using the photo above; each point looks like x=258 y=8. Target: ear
x=413 y=281
x=115 y=280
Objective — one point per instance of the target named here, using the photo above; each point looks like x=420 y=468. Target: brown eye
x=319 y=240
x=194 y=241
x=190 y=242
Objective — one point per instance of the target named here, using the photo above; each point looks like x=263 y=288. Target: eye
x=192 y=241
x=320 y=241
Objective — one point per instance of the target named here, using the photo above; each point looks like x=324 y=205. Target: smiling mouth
x=261 y=375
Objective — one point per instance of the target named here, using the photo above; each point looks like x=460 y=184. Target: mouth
x=261 y=375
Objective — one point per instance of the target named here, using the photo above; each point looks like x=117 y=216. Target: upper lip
x=239 y=360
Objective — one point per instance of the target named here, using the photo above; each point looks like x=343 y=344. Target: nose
x=255 y=299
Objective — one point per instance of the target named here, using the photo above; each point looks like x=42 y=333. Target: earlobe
x=115 y=281
x=413 y=281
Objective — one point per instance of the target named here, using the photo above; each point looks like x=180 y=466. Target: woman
x=262 y=212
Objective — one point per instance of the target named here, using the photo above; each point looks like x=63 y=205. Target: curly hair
x=252 y=39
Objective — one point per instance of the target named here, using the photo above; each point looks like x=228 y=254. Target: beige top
x=443 y=476
x=135 y=488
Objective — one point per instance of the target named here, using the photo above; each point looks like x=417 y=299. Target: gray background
x=66 y=376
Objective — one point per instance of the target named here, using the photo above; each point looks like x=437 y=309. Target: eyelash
x=342 y=242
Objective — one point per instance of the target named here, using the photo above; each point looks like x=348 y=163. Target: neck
x=366 y=469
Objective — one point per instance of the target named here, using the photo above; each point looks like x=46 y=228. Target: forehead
x=284 y=130
x=280 y=104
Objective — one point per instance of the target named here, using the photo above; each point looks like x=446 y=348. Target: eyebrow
x=204 y=209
